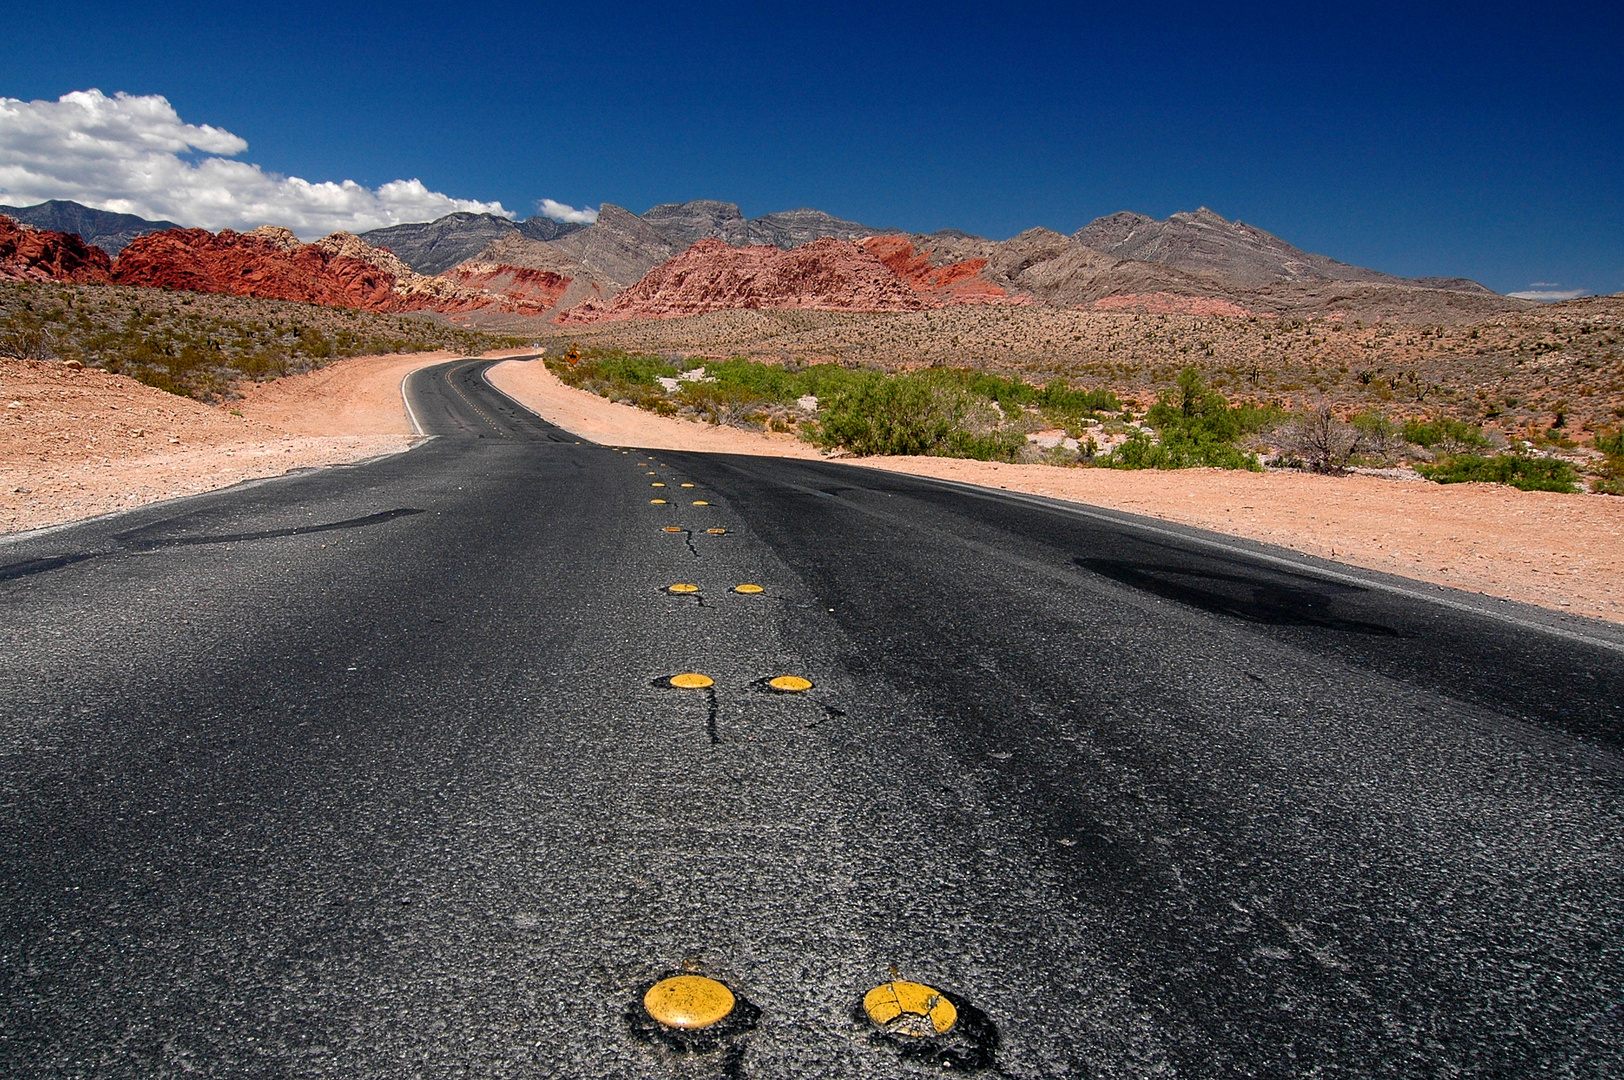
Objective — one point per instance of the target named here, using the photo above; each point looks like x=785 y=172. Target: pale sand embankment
x=75 y=444
x=1564 y=552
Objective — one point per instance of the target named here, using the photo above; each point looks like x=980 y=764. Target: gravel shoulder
x=1563 y=552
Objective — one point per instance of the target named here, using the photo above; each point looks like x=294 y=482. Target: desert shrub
x=1380 y=440
x=1451 y=436
x=202 y=345
x=24 y=342
x=1195 y=425
x=1517 y=470
x=1610 y=474
x=611 y=369
x=1324 y=443
x=722 y=403
x=914 y=414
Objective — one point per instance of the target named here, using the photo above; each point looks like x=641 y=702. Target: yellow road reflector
x=701 y=502
x=688 y=1002
x=682 y=587
x=793 y=684
x=910 y=1008
x=657 y=502
x=673 y=528
x=747 y=588
x=657 y=484
x=689 y=680
x=717 y=532
x=687 y=485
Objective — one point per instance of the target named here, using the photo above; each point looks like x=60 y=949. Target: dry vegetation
x=203 y=345
x=1525 y=373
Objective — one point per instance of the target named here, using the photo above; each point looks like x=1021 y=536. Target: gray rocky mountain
x=432 y=247
x=619 y=247
x=706 y=219
x=1202 y=242
x=599 y=260
x=105 y=229
x=544 y=228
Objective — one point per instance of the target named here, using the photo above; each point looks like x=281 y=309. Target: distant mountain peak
x=106 y=229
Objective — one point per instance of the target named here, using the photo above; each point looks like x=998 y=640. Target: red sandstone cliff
x=340 y=270
x=953 y=283
x=522 y=288
x=269 y=264
x=827 y=275
x=41 y=255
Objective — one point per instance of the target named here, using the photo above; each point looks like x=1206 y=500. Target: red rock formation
x=340 y=270
x=522 y=288
x=955 y=283
x=826 y=275
x=41 y=255
x=268 y=266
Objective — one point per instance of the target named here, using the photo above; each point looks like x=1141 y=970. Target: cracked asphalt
x=378 y=772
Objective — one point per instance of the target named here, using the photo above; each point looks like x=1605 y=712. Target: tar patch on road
x=142 y=547
x=1271 y=601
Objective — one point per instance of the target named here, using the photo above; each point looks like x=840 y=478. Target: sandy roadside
x=1564 y=552
x=75 y=444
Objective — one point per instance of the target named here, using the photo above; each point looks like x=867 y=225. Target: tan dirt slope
x=1564 y=552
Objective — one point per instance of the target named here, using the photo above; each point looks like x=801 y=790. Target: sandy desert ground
x=74 y=444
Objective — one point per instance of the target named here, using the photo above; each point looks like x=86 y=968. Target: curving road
x=377 y=772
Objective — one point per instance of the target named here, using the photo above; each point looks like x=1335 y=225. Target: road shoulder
x=1562 y=552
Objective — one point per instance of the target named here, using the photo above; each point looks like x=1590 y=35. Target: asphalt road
x=377 y=772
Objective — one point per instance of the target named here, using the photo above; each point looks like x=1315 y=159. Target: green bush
x=1527 y=473
x=1195 y=425
x=914 y=414
x=1444 y=432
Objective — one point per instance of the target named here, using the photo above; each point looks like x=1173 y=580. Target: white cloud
x=560 y=212
x=1549 y=295
x=133 y=154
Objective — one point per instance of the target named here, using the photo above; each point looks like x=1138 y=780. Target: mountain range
x=100 y=228
x=685 y=258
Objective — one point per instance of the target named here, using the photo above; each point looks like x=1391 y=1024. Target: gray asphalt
x=375 y=772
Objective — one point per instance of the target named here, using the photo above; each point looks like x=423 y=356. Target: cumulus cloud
x=1549 y=295
x=560 y=212
x=134 y=154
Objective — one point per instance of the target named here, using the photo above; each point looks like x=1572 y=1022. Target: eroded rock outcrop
x=28 y=254
x=271 y=263
x=961 y=282
x=522 y=288
x=826 y=275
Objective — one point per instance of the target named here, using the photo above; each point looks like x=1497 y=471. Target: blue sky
x=1482 y=140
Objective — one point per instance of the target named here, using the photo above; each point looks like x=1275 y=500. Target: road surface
x=378 y=772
